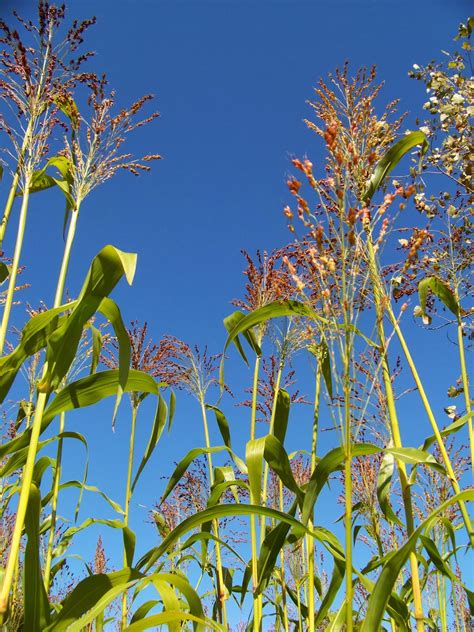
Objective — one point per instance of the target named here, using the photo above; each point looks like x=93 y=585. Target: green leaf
x=442 y=291
x=36 y=605
x=143 y=610
x=224 y=429
x=105 y=272
x=454 y=427
x=277 y=458
x=391 y=159
x=82 y=393
x=277 y=309
x=4 y=272
x=156 y=432
x=90 y=597
x=221 y=511
x=96 y=348
x=230 y=322
x=171 y=616
x=321 y=353
x=270 y=549
x=384 y=482
x=392 y=567
x=183 y=466
x=282 y=414
x=34 y=337
x=254 y=459
x=331 y=462
x=129 y=541
x=413 y=456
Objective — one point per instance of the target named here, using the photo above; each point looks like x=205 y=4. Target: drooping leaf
x=156 y=431
x=224 y=429
x=89 y=598
x=36 y=605
x=391 y=159
x=183 y=466
x=413 y=456
x=392 y=567
x=321 y=353
x=129 y=541
x=4 y=272
x=231 y=509
x=325 y=467
x=82 y=393
x=282 y=414
x=384 y=482
x=276 y=457
x=454 y=427
x=106 y=269
x=442 y=291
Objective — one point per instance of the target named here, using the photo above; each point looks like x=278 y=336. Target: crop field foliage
x=240 y=541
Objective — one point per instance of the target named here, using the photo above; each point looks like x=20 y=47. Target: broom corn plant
x=330 y=297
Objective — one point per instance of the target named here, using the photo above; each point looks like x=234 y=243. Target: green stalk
x=257 y=599
x=15 y=265
x=22 y=504
x=128 y=494
x=54 y=507
x=300 y=617
x=57 y=472
x=465 y=385
x=432 y=420
x=221 y=591
x=15 y=181
x=395 y=428
x=348 y=507
x=266 y=468
x=282 y=562
x=317 y=398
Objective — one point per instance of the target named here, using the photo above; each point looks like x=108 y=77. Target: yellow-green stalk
x=257 y=599
x=432 y=420
x=57 y=472
x=215 y=524
x=379 y=297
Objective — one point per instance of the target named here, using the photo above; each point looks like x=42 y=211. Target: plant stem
x=309 y=539
x=15 y=181
x=379 y=297
x=15 y=265
x=221 y=591
x=282 y=562
x=22 y=504
x=57 y=473
x=128 y=494
x=54 y=507
x=257 y=599
x=266 y=468
x=465 y=385
x=434 y=425
x=317 y=398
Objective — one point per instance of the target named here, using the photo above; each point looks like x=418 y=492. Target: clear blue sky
x=231 y=80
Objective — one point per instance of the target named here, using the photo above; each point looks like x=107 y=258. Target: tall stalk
x=128 y=494
x=14 y=185
x=309 y=538
x=439 y=439
x=221 y=591
x=257 y=599
x=15 y=264
x=57 y=472
x=378 y=295
x=26 y=481
x=465 y=387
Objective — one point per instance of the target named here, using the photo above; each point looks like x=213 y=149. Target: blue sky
x=231 y=80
